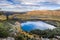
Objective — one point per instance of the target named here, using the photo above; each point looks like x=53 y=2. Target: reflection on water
x=31 y=25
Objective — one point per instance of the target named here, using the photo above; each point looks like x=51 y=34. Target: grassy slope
x=2 y=17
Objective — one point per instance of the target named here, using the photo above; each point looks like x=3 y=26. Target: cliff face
x=44 y=12
x=38 y=12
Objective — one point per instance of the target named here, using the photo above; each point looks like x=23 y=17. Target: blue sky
x=29 y=5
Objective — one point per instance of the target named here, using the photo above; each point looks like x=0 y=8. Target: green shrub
x=4 y=30
x=19 y=37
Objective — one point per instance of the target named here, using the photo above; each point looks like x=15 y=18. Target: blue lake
x=32 y=25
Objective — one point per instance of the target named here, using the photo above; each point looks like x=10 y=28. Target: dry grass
x=2 y=17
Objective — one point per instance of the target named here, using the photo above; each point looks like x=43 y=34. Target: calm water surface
x=32 y=25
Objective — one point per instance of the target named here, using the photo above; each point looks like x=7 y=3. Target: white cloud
x=31 y=1
x=35 y=1
x=7 y=6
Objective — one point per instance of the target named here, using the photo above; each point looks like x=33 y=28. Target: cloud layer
x=36 y=1
x=28 y=5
